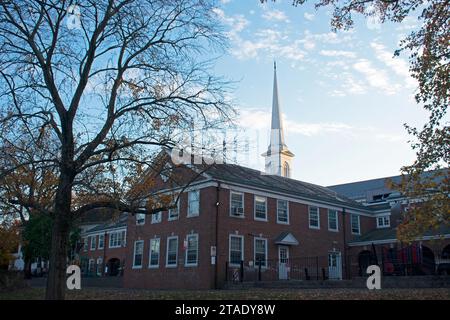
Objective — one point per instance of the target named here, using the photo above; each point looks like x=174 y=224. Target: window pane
x=332 y=220
x=282 y=214
x=355 y=223
x=154 y=252
x=172 y=251
x=235 y=250
x=194 y=202
x=260 y=207
x=138 y=250
x=237 y=204
x=313 y=217
x=192 y=249
x=260 y=252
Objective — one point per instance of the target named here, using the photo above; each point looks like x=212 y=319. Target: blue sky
x=344 y=97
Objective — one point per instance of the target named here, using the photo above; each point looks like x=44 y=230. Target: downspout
x=345 y=242
x=216 y=266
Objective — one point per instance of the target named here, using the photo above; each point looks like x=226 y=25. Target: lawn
x=250 y=294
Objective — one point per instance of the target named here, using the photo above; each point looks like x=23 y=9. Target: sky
x=344 y=97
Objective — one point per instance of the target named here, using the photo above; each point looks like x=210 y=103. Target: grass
x=250 y=294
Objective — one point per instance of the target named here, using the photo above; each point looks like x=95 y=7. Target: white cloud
x=269 y=41
x=259 y=120
x=308 y=16
x=337 y=53
x=375 y=77
x=275 y=15
x=236 y=23
x=225 y=1
x=398 y=65
x=330 y=37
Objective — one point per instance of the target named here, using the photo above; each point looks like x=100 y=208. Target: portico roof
x=286 y=238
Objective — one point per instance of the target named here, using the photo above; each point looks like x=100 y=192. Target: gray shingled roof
x=113 y=224
x=253 y=178
x=391 y=233
x=359 y=189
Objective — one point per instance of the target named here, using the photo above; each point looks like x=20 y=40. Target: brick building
x=103 y=247
x=234 y=223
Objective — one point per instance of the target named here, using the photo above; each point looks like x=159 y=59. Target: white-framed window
x=236 y=204
x=193 y=203
x=172 y=251
x=140 y=219
x=85 y=243
x=260 y=208
x=355 y=224
x=153 y=260
x=99 y=266
x=314 y=218
x=157 y=217
x=383 y=222
x=333 y=220
x=260 y=252
x=191 y=258
x=236 y=249
x=101 y=241
x=117 y=239
x=282 y=211
x=91 y=266
x=286 y=170
x=174 y=213
x=93 y=243
x=138 y=254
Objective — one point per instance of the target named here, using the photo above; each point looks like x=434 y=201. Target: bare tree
x=87 y=94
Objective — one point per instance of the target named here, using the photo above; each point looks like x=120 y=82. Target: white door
x=334 y=266
x=283 y=262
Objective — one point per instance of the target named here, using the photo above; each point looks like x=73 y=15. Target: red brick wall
x=201 y=276
x=106 y=253
x=311 y=242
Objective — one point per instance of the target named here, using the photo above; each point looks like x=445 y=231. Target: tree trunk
x=27 y=267
x=56 y=282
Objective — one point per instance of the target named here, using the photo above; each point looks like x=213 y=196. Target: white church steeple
x=278 y=158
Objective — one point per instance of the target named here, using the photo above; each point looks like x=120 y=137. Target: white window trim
x=134 y=254
x=254 y=209
x=123 y=239
x=91 y=264
x=188 y=214
x=337 y=220
x=359 y=224
x=178 y=215
x=102 y=247
x=154 y=266
x=141 y=223
x=94 y=243
x=254 y=252
x=287 y=212
x=384 y=226
x=243 y=204
x=229 y=248
x=186 y=264
x=167 y=253
x=318 y=218
x=153 y=221
x=85 y=244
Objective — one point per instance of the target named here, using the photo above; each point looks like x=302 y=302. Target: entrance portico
x=284 y=241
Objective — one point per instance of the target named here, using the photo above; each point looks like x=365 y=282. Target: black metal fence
x=335 y=268
x=306 y=268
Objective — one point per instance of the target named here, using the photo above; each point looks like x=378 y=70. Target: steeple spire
x=277 y=121
x=278 y=157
